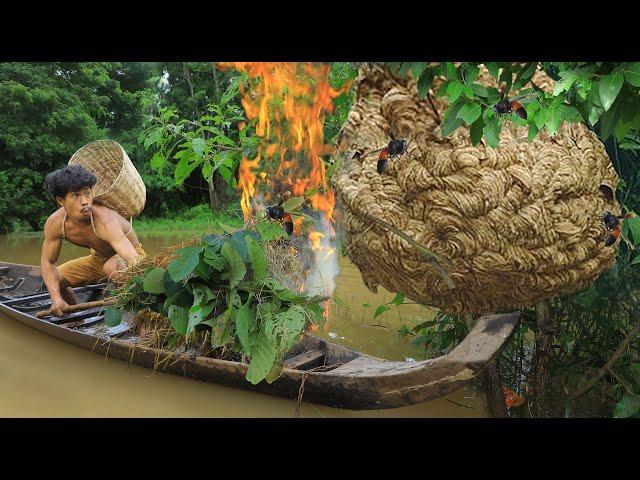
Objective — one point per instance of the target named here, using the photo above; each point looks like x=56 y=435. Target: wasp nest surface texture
x=520 y=222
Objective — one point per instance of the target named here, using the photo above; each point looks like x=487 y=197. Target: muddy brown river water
x=41 y=376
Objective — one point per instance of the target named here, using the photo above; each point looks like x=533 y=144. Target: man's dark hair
x=69 y=179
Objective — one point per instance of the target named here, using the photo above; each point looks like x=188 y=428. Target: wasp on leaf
x=510 y=105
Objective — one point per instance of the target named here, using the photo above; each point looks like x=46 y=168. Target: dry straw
x=119 y=185
x=520 y=222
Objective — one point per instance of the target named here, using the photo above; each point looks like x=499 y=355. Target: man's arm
x=48 y=269
x=111 y=232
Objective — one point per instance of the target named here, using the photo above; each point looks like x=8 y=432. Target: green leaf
x=555 y=119
x=525 y=75
x=214 y=260
x=181 y=267
x=197 y=145
x=424 y=82
x=292 y=203
x=397 y=300
x=493 y=69
x=283 y=293
x=258 y=260
x=627 y=407
x=479 y=90
x=469 y=113
x=417 y=68
x=380 y=310
x=184 y=169
x=635 y=261
x=451 y=120
x=237 y=268
x=632 y=74
x=608 y=120
x=610 y=86
x=454 y=90
x=491 y=132
x=153 y=136
x=153 y=281
x=634 y=227
x=242 y=325
x=451 y=71
x=270 y=231
x=470 y=74
x=179 y=318
x=533 y=131
x=568 y=78
x=587 y=298
x=112 y=317
x=158 y=162
x=476 y=131
x=264 y=355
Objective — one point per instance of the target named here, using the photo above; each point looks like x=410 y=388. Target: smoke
x=320 y=279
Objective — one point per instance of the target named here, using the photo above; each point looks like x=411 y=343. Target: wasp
x=612 y=224
x=395 y=148
x=276 y=212
x=506 y=105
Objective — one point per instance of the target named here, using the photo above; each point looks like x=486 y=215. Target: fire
x=289 y=102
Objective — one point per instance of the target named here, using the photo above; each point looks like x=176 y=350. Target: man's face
x=78 y=204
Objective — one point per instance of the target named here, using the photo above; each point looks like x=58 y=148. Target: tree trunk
x=491 y=382
x=217 y=193
x=493 y=389
x=544 y=342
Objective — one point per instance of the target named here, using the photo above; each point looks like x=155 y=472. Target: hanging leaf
x=292 y=203
x=179 y=318
x=237 y=268
x=632 y=74
x=258 y=260
x=198 y=145
x=469 y=113
x=242 y=325
x=270 y=231
x=610 y=86
x=425 y=82
x=476 y=131
x=264 y=355
x=454 y=90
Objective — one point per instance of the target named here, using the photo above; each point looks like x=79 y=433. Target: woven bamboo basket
x=520 y=223
x=119 y=185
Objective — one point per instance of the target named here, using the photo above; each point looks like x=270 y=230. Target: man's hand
x=57 y=306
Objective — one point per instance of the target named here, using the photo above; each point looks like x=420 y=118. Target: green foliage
x=215 y=288
x=212 y=142
x=603 y=94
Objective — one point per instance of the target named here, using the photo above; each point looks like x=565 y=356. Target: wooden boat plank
x=74 y=316
x=45 y=295
x=306 y=360
x=86 y=322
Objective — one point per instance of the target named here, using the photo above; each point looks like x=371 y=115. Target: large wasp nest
x=520 y=223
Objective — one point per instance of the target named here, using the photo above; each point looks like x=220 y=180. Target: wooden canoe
x=333 y=375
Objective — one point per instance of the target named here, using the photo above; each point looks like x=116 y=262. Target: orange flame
x=289 y=102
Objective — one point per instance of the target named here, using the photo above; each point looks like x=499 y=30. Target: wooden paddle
x=79 y=306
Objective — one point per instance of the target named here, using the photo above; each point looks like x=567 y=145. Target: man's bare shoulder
x=104 y=218
x=53 y=225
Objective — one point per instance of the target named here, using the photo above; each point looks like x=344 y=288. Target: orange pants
x=88 y=270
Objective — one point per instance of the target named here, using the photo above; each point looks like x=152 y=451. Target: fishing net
x=520 y=222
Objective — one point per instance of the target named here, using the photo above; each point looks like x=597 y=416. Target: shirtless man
x=111 y=238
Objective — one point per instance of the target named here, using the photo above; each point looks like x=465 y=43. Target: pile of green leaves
x=603 y=93
x=221 y=286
